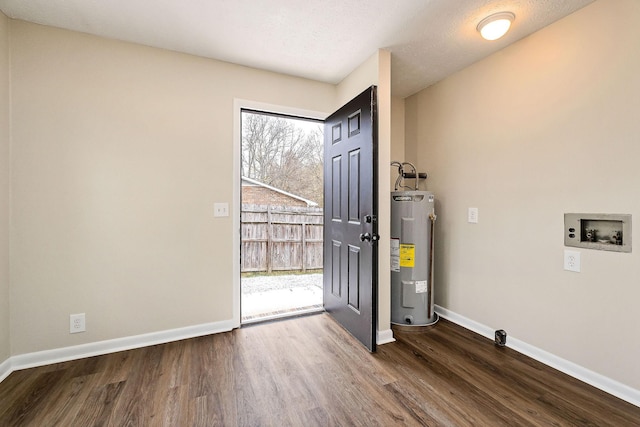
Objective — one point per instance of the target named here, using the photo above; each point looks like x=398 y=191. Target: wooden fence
x=281 y=238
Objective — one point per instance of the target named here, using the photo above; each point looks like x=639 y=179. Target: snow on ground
x=280 y=293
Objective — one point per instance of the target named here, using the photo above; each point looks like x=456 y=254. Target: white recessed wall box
x=605 y=232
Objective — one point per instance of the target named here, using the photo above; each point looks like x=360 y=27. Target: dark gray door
x=350 y=209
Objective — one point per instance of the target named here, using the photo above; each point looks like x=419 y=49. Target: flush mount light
x=495 y=26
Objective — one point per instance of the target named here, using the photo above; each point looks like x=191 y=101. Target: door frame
x=238 y=106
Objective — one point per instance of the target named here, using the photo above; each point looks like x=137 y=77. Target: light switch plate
x=221 y=209
x=572 y=261
x=473 y=215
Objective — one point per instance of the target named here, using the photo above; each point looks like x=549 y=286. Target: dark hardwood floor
x=308 y=371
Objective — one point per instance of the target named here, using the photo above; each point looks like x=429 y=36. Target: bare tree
x=280 y=153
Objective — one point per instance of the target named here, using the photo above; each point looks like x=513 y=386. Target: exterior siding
x=256 y=195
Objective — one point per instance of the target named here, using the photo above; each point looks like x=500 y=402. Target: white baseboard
x=601 y=382
x=47 y=357
x=5 y=369
x=384 y=337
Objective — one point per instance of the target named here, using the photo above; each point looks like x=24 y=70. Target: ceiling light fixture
x=495 y=26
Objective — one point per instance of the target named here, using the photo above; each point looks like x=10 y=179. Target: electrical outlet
x=77 y=323
x=572 y=261
x=473 y=215
x=221 y=209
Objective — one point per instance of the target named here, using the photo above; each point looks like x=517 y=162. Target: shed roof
x=250 y=181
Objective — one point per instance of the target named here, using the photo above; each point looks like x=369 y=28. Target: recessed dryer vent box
x=605 y=232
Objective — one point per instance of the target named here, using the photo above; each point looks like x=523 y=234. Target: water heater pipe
x=407 y=175
x=432 y=217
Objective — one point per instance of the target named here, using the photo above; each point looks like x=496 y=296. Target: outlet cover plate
x=572 y=261
x=77 y=323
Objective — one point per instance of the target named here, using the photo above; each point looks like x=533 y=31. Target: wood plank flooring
x=308 y=371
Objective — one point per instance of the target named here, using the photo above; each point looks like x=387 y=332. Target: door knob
x=373 y=237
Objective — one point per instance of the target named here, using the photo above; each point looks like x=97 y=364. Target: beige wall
x=119 y=153
x=384 y=201
x=358 y=80
x=547 y=126
x=5 y=347
x=397 y=135
x=397 y=130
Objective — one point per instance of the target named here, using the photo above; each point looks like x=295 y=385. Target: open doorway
x=281 y=216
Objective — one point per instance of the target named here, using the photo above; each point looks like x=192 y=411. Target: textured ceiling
x=321 y=40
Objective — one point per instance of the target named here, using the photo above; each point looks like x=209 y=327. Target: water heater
x=412 y=223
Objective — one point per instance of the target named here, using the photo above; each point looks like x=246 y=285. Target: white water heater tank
x=412 y=224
